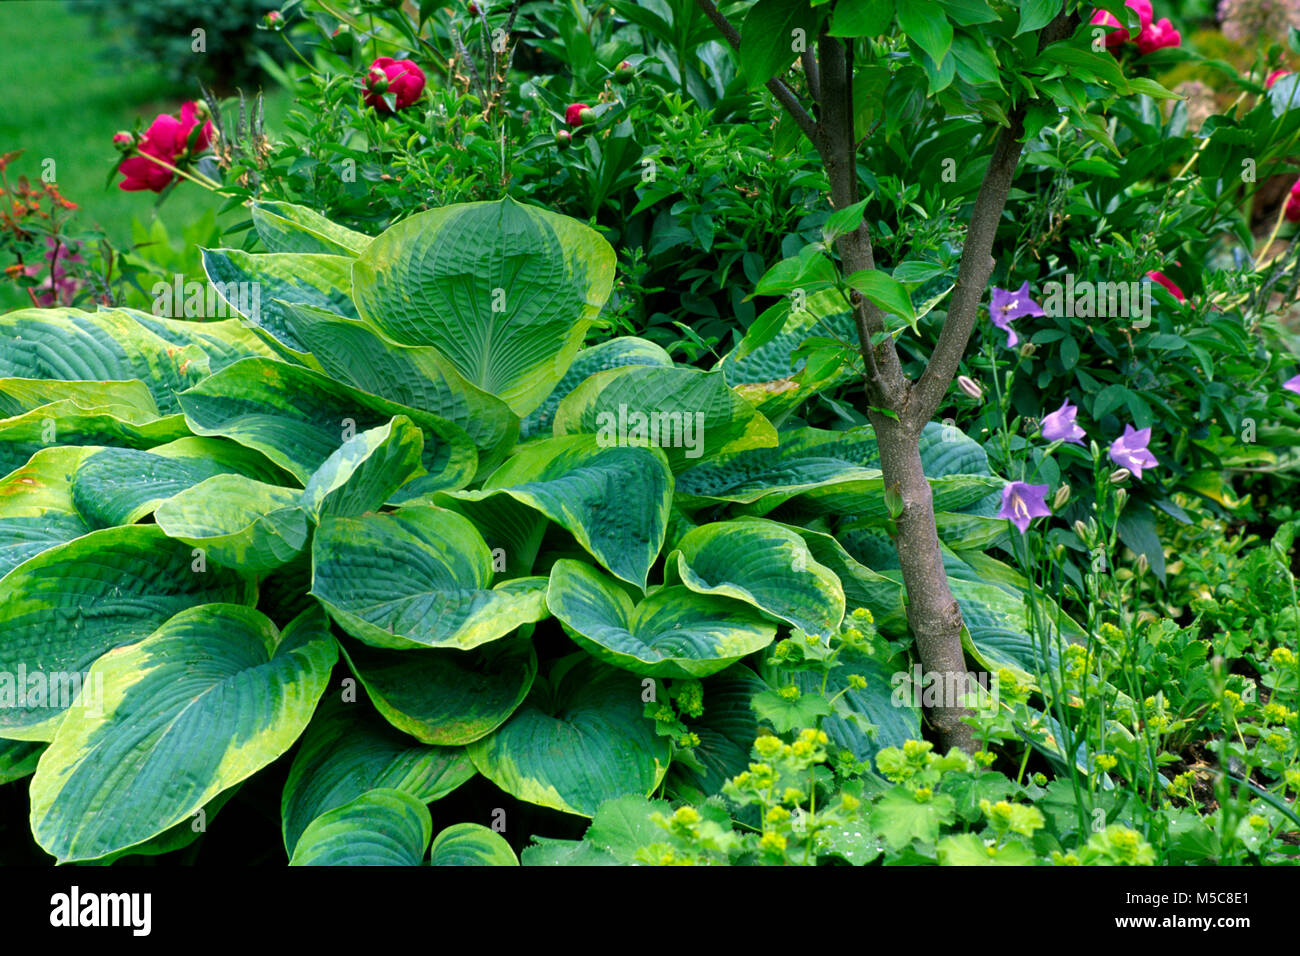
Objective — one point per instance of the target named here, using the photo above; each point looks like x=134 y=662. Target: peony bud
x=562 y=138
x=587 y=116
x=623 y=73
x=273 y=20
x=1119 y=474
x=970 y=387
x=378 y=81
x=1062 y=496
x=124 y=141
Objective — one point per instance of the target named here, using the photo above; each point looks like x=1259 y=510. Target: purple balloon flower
x=1292 y=384
x=1130 y=451
x=1021 y=503
x=1060 y=425
x=1006 y=307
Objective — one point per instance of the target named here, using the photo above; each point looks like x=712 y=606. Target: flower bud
x=970 y=387
x=562 y=138
x=124 y=141
x=378 y=81
x=1121 y=496
x=1062 y=496
x=1081 y=530
x=1028 y=349
x=473 y=9
x=623 y=73
x=342 y=39
x=1142 y=564
x=1119 y=474
x=273 y=20
x=587 y=116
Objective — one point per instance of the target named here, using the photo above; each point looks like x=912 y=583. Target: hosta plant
x=391 y=524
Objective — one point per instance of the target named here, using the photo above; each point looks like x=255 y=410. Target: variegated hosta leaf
x=447 y=697
x=365 y=471
x=298 y=418
x=807 y=458
x=130 y=401
x=688 y=413
x=349 y=750
x=418 y=376
x=614 y=501
x=255 y=284
x=116 y=486
x=18 y=759
x=64 y=423
x=208 y=699
x=37 y=510
x=471 y=844
x=505 y=291
x=614 y=353
x=378 y=828
x=675 y=632
x=224 y=341
x=63 y=609
x=237 y=522
x=863 y=587
x=513 y=530
x=417 y=577
x=72 y=345
x=580 y=739
x=287 y=227
x=764 y=564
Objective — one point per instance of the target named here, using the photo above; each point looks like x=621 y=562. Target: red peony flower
x=1158 y=36
x=1115 y=38
x=167 y=139
x=1274 y=77
x=402 y=78
x=1168 y=283
x=1292 y=210
x=573 y=115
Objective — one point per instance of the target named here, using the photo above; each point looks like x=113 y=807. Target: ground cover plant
x=670 y=433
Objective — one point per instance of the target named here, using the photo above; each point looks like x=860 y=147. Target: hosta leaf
x=72 y=345
x=471 y=844
x=688 y=413
x=208 y=699
x=287 y=227
x=505 y=291
x=36 y=505
x=224 y=341
x=764 y=564
x=580 y=739
x=65 y=423
x=673 y=633
x=513 y=530
x=418 y=376
x=447 y=697
x=298 y=418
x=417 y=577
x=237 y=522
x=614 y=501
x=347 y=751
x=614 y=353
x=18 y=759
x=131 y=401
x=365 y=470
x=255 y=284
x=116 y=486
x=63 y=609
x=378 y=828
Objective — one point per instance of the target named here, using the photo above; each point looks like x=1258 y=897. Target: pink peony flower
x=573 y=115
x=167 y=139
x=1168 y=283
x=1158 y=36
x=1116 y=37
x=1274 y=77
x=402 y=78
x=1292 y=210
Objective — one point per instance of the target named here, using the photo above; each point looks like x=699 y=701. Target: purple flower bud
x=970 y=387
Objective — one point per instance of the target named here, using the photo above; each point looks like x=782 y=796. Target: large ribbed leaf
x=614 y=501
x=675 y=632
x=417 y=577
x=727 y=730
x=131 y=401
x=471 y=844
x=764 y=564
x=366 y=470
x=506 y=291
x=580 y=739
x=72 y=345
x=237 y=522
x=37 y=510
x=688 y=413
x=65 y=423
x=513 y=531
x=208 y=699
x=298 y=418
x=64 y=608
x=863 y=587
x=378 y=828
x=254 y=285
x=116 y=486
x=286 y=227
x=418 y=376
x=615 y=353
x=347 y=750
x=224 y=342
x=18 y=759
x=447 y=697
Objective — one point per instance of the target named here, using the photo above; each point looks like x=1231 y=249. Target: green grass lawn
x=63 y=100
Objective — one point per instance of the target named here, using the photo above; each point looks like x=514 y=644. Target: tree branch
x=784 y=95
x=811 y=74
